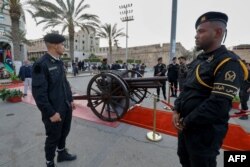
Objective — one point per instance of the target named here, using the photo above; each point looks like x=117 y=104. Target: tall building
x=6 y=44
x=85 y=44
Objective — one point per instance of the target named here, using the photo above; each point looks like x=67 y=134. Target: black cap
x=54 y=38
x=211 y=16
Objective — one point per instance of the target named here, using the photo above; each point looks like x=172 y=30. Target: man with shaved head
x=201 y=112
x=53 y=97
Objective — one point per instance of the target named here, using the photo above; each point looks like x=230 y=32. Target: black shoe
x=51 y=164
x=245 y=117
x=65 y=156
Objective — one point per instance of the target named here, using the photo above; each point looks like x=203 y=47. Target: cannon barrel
x=80 y=97
x=163 y=78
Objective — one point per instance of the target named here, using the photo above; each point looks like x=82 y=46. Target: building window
x=83 y=48
x=1 y=18
x=76 y=47
x=82 y=42
x=2 y=31
x=75 y=40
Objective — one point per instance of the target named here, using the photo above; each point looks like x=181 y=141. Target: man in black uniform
x=53 y=97
x=160 y=70
x=182 y=73
x=201 y=112
x=173 y=69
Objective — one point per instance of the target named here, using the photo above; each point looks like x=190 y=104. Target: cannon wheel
x=108 y=96
x=135 y=94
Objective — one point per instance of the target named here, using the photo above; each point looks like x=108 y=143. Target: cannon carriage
x=110 y=94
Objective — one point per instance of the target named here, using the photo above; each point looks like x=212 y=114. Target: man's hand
x=176 y=121
x=248 y=90
x=159 y=74
x=55 y=118
x=73 y=105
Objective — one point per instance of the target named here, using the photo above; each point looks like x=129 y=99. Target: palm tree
x=66 y=15
x=110 y=33
x=16 y=12
x=21 y=35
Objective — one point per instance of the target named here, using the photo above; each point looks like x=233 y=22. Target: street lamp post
x=126 y=14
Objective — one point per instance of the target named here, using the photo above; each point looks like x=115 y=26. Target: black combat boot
x=65 y=156
x=51 y=164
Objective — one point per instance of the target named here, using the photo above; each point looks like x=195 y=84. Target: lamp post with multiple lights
x=126 y=16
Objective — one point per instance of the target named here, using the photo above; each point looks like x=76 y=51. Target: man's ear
x=218 y=33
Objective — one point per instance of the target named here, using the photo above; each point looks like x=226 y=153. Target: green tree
x=16 y=12
x=21 y=35
x=64 y=13
x=111 y=33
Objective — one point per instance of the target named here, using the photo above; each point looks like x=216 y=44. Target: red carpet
x=236 y=139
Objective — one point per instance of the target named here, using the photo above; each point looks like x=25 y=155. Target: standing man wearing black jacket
x=53 y=97
x=173 y=70
x=160 y=70
x=201 y=112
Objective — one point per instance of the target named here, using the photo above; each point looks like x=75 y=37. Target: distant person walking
x=25 y=75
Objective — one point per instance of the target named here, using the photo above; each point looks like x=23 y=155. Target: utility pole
x=126 y=14
x=173 y=31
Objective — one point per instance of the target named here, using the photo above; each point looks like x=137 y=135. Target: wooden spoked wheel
x=108 y=96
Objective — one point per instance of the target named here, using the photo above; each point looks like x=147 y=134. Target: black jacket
x=25 y=72
x=50 y=88
x=209 y=89
x=173 y=72
x=160 y=68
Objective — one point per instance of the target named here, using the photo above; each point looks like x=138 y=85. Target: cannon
x=110 y=94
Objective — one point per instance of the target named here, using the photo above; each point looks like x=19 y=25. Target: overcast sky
x=152 y=22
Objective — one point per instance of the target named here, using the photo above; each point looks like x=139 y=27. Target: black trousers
x=163 y=90
x=199 y=147
x=173 y=87
x=244 y=97
x=56 y=134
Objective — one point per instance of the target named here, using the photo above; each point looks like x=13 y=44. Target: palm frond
x=80 y=9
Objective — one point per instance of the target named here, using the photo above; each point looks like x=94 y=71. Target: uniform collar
x=54 y=57
x=214 y=52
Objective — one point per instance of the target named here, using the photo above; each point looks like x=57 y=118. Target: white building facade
x=85 y=44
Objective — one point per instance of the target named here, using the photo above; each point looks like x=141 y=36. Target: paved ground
x=22 y=140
